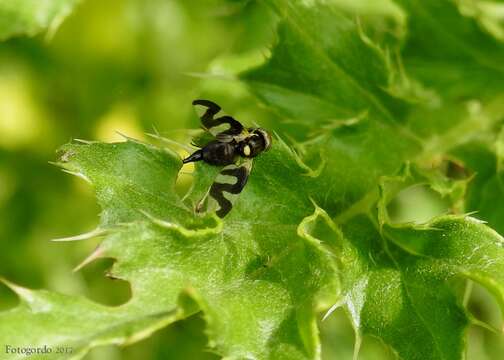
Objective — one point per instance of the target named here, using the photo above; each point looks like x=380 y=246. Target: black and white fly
x=233 y=148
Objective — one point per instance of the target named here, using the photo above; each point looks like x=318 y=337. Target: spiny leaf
x=397 y=281
x=323 y=68
x=487 y=195
x=243 y=276
x=316 y=76
x=390 y=292
x=305 y=233
x=55 y=320
x=125 y=181
x=450 y=51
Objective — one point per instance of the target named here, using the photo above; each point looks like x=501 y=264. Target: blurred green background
x=133 y=66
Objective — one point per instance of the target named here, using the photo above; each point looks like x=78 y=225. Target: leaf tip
x=97 y=253
x=23 y=293
x=78 y=174
x=162 y=139
x=476 y=322
x=83 y=141
x=333 y=308
x=85 y=236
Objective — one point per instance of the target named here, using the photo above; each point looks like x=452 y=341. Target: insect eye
x=255 y=146
x=265 y=137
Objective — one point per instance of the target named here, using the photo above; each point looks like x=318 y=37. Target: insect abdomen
x=219 y=153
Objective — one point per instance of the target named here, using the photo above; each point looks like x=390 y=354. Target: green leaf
x=311 y=228
x=311 y=75
x=486 y=197
x=397 y=281
x=450 y=51
x=325 y=74
x=241 y=274
x=30 y=17
x=391 y=291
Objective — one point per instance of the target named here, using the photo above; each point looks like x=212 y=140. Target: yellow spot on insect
x=246 y=150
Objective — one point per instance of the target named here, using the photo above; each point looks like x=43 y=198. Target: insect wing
x=224 y=137
x=227 y=185
x=224 y=124
x=202 y=138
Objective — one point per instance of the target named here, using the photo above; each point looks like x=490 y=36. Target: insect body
x=234 y=148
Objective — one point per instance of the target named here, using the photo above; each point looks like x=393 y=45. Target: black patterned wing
x=224 y=190
x=224 y=127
